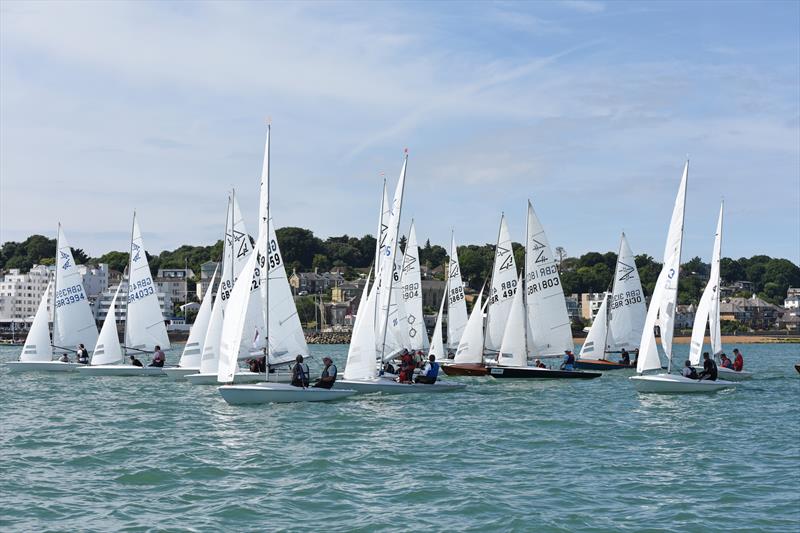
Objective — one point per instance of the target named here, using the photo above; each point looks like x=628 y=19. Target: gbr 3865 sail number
x=545 y=278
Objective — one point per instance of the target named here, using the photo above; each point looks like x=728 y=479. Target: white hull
x=278 y=393
x=178 y=373
x=41 y=366
x=727 y=374
x=388 y=386
x=120 y=370
x=672 y=383
x=241 y=377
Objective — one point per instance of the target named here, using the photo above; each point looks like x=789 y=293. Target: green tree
x=298 y=244
x=116 y=260
x=321 y=263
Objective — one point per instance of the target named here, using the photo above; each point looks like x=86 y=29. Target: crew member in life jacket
x=569 y=361
x=328 y=377
x=709 y=368
x=738 y=361
x=406 y=368
x=429 y=372
x=626 y=358
x=300 y=373
x=82 y=355
x=725 y=362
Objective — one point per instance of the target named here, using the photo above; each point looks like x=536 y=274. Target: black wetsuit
x=709 y=370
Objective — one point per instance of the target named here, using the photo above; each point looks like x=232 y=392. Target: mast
x=491 y=280
x=233 y=235
x=55 y=288
x=380 y=230
x=525 y=279
x=680 y=253
x=394 y=250
x=267 y=262
x=127 y=296
x=447 y=293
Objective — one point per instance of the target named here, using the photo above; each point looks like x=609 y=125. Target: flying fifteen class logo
x=238 y=236
x=65 y=257
x=454 y=269
x=627 y=271
x=408 y=263
x=136 y=252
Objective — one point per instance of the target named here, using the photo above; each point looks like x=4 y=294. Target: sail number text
x=69 y=295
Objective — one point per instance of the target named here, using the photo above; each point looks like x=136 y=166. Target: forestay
x=108 y=350
x=37 y=343
x=503 y=289
x=665 y=293
x=548 y=320
x=145 y=327
x=73 y=321
x=708 y=308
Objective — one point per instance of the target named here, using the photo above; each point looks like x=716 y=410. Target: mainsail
x=503 y=289
x=73 y=322
x=708 y=308
x=456 y=304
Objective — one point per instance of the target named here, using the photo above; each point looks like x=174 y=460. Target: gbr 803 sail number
x=546 y=277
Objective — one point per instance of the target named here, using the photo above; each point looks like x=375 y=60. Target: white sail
x=456 y=304
x=73 y=322
x=628 y=308
x=397 y=337
x=470 y=349
x=361 y=363
x=37 y=343
x=193 y=350
x=437 y=345
x=145 y=326
x=665 y=293
x=411 y=293
x=388 y=274
x=108 y=350
x=383 y=225
x=600 y=338
x=286 y=338
x=210 y=358
x=233 y=331
x=513 y=350
x=548 y=320
x=708 y=308
x=504 y=286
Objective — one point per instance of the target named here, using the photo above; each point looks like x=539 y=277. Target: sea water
x=148 y=454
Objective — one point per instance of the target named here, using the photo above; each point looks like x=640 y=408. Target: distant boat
x=619 y=322
x=538 y=323
x=663 y=302
x=73 y=322
x=469 y=356
x=708 y=313
x=250 y=312
x=144 y=322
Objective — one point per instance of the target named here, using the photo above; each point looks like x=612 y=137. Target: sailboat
x=503 y=286
x=237 y=249
x=368 y=342
x=144 y=322
x=708 y=313
x=456 y=302
x=73 y=322
x=620 y=319
x=469 y=355
x=189 y=362
x=412 y=322
x=538 y=323
x=256 y=279
x=662 y=311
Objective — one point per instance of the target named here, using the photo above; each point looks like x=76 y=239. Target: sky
x=588 y=109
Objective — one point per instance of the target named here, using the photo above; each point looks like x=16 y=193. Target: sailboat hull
x=261 y=393
x=797 y=367
x=516 y=372
x=41 y=366
x=387 y=386
x=674 y=384
x=464 y=369
x=241 y=377
x=728 y=374
x=179 y=373
x=600 y=364
x=120 y=370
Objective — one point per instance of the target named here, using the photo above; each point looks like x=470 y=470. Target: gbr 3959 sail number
x=274 y=261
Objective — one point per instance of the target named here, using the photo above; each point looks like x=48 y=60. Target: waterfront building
x=175 y=283
x=20 y=293
x=752 y=312
x=207 y=270
x=684 y=316
x=103 y=302
x=95 y=279
x=590 y=304
x=792 y=301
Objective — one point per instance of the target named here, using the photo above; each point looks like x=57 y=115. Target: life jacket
x=738 y=363
x=302 y=372
x=570 y=359
x=433 y=371
x=329 y=371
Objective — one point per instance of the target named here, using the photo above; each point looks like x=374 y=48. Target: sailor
x=300 y=373
x=709 y=368
x=135 y=362
x=569 y=361
x=406 y=367
x=64 y=358
x=688 y=370
x=429 y=372
x=82 y=355
x=626 y=358
x=158 y=357
x=538 y=363
x=725 y=362
x=738 y=360
x=636 y=351
x=328 y=377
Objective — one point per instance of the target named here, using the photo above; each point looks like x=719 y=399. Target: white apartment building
x=590 y=304
x=102 y=304
x=206 y=273
x=174 y=282
x=792 y=300
x=20 y=294
x=95 y=279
